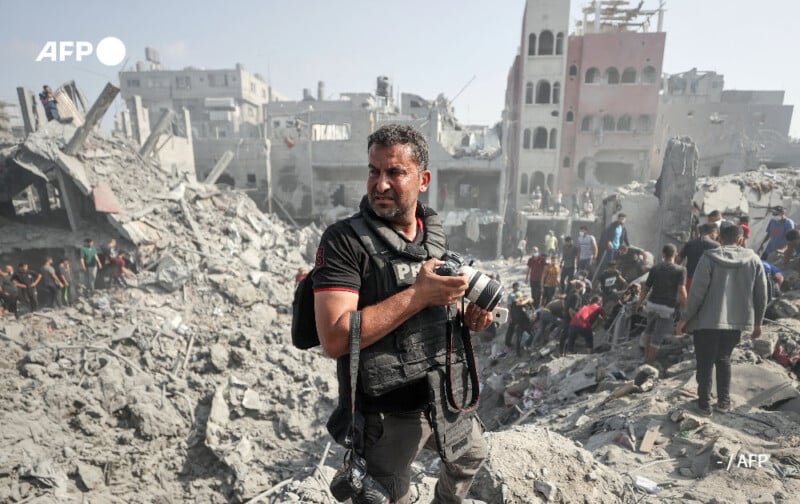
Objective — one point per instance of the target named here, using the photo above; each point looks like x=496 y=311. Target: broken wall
x=674 y=190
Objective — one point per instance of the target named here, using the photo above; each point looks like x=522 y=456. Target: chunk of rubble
x=571 y=473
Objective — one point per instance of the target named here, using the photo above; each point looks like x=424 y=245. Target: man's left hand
x=679 y=327
x=476 y=318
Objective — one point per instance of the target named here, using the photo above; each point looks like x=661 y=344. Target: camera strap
x=472 y=368
x=355 y=353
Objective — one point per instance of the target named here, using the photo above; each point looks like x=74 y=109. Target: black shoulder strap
x=355 y=355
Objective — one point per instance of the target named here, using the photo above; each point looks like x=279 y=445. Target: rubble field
x=185 y=387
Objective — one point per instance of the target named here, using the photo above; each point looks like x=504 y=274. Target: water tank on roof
x=384 y=86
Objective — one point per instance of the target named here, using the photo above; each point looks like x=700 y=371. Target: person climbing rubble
x=519 y=320
x=633 y=262
x=49 y=103
x=663 y=291
x=582 y=324
x=693 y=250
x=777 y=229
x=533 y=275
x=728 y=296
x=588 y=249
x=551 y=276
x=614 y=237
x=569 y=261
x=409 y=302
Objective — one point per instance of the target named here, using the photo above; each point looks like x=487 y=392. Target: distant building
x=226 y=109
x=611 y=99
x=734 y=130
x=319 y=158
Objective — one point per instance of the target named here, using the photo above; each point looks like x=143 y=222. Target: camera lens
x=483 y=291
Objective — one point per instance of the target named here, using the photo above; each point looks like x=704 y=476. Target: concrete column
x=433 y=190
x=92 y=118
x=140 y=122
x=125 y=124
x=677 y=187
x=268 y=154
x=161 y=126
x=223 y=163
x=27 y=105
x=70 y=203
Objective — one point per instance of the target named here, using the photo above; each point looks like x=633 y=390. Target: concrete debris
x=188 y=378
x=644 y=429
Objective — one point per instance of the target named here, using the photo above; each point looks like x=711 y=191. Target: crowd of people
x=545 y=201
x=714 y=288
x=576 y=284
x=56 y=284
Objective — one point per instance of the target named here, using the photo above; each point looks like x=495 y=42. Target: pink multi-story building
x=611 y=100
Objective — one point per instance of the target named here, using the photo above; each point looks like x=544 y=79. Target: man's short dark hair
x=669 y=250
x=707 y=228
x=621 y=216
x=744 y=219
x=87 y=241
x=730 y=234
x=793 y=235
x=401 y=134
x=714 y=214
x=595 y=299
x=568 y=239
x=585 y=228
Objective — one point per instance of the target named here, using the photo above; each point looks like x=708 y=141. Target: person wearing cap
x=776 y=232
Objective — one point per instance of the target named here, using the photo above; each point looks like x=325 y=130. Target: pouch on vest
x=451 y=428
x=304 y=322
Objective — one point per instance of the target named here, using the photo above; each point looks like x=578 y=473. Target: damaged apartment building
x=593 y=109
x=221 y=111
x=319 y=158
x=734 y=130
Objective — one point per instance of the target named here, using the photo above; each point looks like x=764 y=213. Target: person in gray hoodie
x=728 y=296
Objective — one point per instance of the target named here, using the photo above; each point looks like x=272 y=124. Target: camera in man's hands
x=353 y=482
x=483 y=291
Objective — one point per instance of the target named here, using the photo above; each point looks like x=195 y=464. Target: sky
x=426 y=47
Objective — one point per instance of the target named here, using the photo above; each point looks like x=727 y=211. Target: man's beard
x=389 y=214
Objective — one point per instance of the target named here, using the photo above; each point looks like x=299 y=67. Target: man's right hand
x=756 y=332
x=437 y=290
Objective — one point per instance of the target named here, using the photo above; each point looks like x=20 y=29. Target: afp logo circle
x=109 y=51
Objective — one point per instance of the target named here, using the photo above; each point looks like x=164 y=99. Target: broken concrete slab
x=761 y=385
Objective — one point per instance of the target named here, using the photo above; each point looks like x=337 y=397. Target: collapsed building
x=319 y=158
x=187 y=383
x=734 y=130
